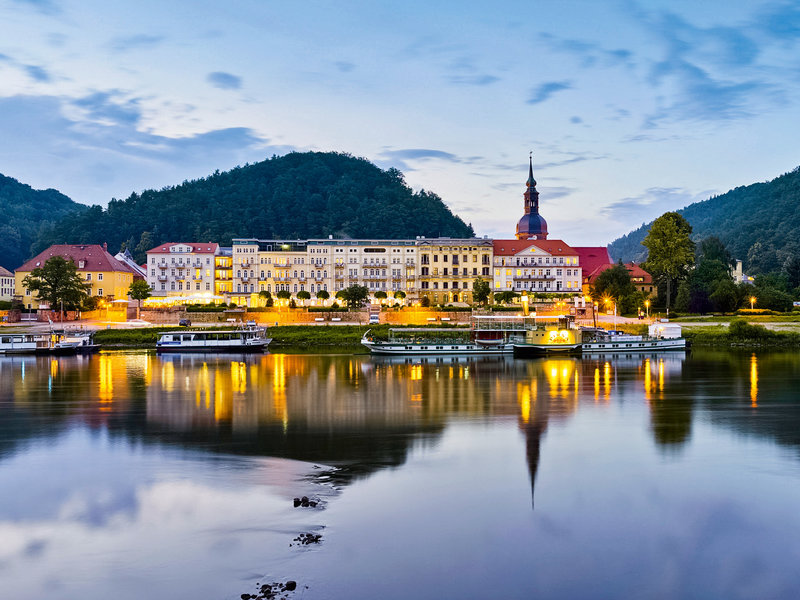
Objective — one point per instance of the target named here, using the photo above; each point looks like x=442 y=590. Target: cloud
x=48 y=7
x=575 y=120
x=110 y=108
x=651 y=203
x=473 y=79
x=780 y=21
x=37 y=73
x=96 y=146
x=589 y=53
x=344 y=66
x=135 y=42
x=224 y=81
x=544 y=91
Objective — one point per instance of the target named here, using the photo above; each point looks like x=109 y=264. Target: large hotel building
x=442 y=269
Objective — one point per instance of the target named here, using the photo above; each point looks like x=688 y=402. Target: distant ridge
x=24 y=211
x=759 y=224
x=299 y=195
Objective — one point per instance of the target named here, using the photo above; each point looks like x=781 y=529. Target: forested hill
x=23 y=212
x=759 y=224
x=299 y=195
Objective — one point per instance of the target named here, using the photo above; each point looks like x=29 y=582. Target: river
x=129 y=475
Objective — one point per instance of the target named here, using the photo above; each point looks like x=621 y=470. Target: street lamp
x=647 y=308
x=594 y=315
x=752 y=302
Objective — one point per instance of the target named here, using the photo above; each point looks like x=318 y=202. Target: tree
x=323 y=295
x=380 y=295
x=712 y=248
x=505 y=297
x=57 y=282
x=425 y=302
x=354 y=295
x=670 y=251
x=791 y=267
x=303 y=295
x=399 y=295
x=481 y=291
x=283 y=294
x=139 y=290
x=266 y=296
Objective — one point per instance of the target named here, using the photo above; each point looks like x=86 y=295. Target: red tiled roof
x=591 y=257
x=197 y=248
x=634 y=270
x=95 y=258
x=5 y=273
x=552 y=247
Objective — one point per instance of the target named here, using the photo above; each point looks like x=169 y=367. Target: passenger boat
x=486 y=335
x=550 y=335
x=73 y=342
x=248 y=339
x=661 y=336
x=25 y=343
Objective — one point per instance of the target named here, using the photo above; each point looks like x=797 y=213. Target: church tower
x=532 y=225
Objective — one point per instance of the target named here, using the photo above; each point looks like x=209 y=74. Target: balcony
x=162 y=265
x=162 y=277
x=534 y=277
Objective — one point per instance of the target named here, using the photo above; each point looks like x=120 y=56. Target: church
x=533 y=263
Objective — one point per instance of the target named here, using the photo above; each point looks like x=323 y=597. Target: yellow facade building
x=448 y=268
x=103 y=274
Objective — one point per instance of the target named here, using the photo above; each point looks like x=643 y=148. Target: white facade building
x=182 y=269
x=544 y=266
x=6 y=285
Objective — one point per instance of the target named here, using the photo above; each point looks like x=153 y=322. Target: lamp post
x=752 y=302
x=647 y=308
x=594 y=315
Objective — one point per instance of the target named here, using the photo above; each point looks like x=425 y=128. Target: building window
x=99 y=291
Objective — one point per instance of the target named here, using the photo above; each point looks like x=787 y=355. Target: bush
x=741 y=329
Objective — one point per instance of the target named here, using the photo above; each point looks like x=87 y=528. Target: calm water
x=130 y=476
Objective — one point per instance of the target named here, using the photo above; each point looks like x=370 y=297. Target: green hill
x=758 y=223
x=25 y=211
x=299 y=195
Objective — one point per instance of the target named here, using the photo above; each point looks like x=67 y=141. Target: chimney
x=105 y=246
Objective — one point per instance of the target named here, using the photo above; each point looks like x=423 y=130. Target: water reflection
x=89 y=445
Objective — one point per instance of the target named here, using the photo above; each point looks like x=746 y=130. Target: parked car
x=251 y=323
x=374 y=319
x=184 y=323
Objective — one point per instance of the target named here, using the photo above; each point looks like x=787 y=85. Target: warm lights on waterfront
x=753 y=381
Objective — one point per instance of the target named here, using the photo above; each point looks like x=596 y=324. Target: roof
x=633 y=269
x=5 y=273
x=210 y=247
x=591 y=257
x=95 y=257
x=552 y=247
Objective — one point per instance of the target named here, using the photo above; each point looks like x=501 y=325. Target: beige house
x=104 y=274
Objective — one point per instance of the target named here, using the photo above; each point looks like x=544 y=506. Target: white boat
x=486 y=335
x=661 y=336
x=248 y=339
x=73 y=342
x=24 y=343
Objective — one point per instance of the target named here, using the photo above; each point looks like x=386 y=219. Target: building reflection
x=366 y=413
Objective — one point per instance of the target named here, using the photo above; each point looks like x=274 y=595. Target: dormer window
x=81 y=264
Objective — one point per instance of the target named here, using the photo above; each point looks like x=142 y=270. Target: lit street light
x=752 y=302
x=647 y=308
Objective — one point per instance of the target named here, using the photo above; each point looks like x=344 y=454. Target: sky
x=631 y=109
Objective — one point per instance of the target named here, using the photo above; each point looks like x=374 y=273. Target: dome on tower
x=532 y=225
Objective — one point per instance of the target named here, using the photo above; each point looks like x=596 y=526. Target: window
x=88 y=277
x=99 y=291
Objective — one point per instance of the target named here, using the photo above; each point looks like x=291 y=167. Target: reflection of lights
x=53 y=367
x=753 y=381
x=416 y=372
x=168 y=376
x=607 y=378
x=660 y=374
x=106 y=379
x=596 y=384
x=524 y=399
x=648 y=379
x=416 y=397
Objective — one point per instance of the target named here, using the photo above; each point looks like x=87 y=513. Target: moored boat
x=661 y=336
x=25 y=343
x=551 y=335
x=487 y=335
x=248 y=339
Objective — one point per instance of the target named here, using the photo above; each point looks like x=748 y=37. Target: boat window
x=6 y=340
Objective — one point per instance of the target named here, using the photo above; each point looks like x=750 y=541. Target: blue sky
x=630 y=108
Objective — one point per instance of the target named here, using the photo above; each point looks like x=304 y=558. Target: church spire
x=532 y=225
x=531 y=181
